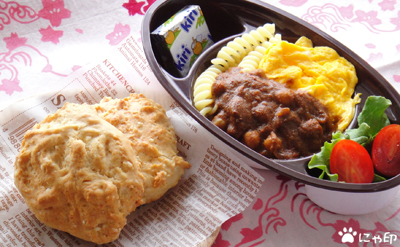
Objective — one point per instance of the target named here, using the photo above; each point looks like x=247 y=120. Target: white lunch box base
x=350 y=203
x=340 y=202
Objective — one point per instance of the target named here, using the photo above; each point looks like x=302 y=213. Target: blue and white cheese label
x=185 y=36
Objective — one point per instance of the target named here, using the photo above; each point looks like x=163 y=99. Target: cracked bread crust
x=147 y=126
x=79 y=174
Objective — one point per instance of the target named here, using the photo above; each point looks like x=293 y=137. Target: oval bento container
x=228 y=19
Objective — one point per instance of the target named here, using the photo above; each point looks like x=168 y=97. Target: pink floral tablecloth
x=44 y=41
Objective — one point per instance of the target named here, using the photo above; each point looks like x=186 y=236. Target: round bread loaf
x=79 y=174
x=147 y=126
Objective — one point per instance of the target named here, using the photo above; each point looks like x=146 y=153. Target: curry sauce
x=268 y=117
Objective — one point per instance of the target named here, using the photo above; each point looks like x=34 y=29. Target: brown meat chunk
x=276 y=121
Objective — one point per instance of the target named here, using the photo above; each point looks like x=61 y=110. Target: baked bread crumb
x=79 y=174
x=147 y=126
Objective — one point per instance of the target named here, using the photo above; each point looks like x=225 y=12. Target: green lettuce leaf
x=378 y=178
x=321 y=160
x=370 y=121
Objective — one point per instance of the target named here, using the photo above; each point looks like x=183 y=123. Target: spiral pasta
x=245 y=51
x=202 y=97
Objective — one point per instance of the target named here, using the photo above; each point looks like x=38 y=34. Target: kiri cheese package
x=181 y=39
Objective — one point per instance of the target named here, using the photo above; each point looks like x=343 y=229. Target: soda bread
x=147 y=126
x=80 y=174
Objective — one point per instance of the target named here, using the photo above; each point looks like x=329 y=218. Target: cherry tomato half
x=386 y=151
x=351 y=162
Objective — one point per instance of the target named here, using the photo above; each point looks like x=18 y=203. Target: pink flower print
x=135 y=7
x=347 y=12
x=47 y=68
x=13 y=11
x=369 y=17
x=132 y=7
x=387 y=4
x=294 y=3
x=76 y=67
x=375 y=57
x=258 y=205
x=120 y=33
x=250 y=235
x=10 y=86
x=54 y=11
x=227 y=224
x=396 y=78
x=49 y=34
x=370 y=46
x=396 y=21
x=220 y=242
x=14 y=41
x=398 y=48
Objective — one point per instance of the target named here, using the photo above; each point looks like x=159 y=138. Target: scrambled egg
x=319 y=70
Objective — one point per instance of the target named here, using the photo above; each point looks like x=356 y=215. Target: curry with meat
x=268 y=117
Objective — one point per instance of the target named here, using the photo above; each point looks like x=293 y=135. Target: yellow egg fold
x=320 y=71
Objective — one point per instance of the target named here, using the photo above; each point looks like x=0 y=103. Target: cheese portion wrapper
x=181 y=39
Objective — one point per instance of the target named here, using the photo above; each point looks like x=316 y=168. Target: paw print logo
x=347 y=236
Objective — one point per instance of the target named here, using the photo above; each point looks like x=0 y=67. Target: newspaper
x=216 y=187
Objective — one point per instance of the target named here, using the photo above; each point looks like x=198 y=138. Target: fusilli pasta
x=245 y=51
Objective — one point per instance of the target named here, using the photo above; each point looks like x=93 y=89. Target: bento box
x=229 y=19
